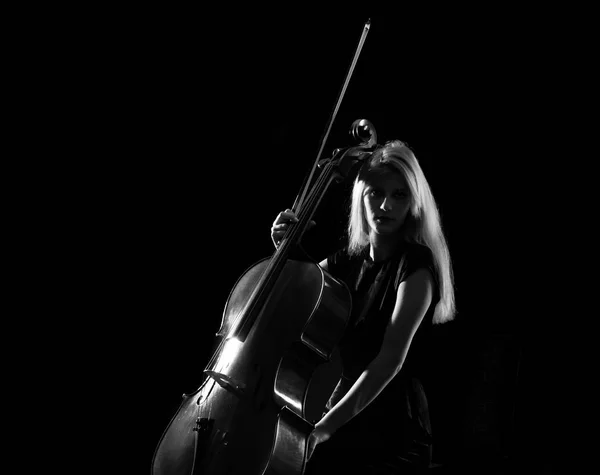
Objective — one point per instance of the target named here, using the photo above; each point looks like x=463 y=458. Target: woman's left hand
x=318 y=435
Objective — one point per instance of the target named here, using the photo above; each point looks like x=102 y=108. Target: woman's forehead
x=386 y=177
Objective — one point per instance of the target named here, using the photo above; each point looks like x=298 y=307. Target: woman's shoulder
x=341 y=261
x=415 y=256
x=418 y=253
x=342 y=254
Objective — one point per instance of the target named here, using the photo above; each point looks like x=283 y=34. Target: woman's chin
x=386 y=229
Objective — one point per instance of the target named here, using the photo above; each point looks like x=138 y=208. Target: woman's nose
x=386 y=205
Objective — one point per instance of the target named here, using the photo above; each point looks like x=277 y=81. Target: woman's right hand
x=281 y=224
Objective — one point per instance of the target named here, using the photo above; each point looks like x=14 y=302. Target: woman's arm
x=413 y=299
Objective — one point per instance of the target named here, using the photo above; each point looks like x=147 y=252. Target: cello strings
x=279 y=258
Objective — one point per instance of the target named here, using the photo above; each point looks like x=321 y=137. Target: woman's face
x=387 y=201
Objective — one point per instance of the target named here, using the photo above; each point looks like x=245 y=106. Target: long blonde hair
x=422 y=225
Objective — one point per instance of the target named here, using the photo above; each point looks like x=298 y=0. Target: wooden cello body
x=249 y=415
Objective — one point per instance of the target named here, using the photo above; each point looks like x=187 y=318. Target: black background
x=205 y=130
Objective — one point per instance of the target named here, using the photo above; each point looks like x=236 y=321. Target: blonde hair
x=422 y=225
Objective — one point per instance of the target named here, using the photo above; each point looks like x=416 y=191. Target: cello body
x=256 y=406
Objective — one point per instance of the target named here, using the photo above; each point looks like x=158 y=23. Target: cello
x=281 y=322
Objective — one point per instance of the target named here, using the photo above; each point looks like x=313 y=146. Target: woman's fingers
x=282 y=222
x=286 y=217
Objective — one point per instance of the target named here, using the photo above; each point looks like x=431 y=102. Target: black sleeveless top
x=373 y=287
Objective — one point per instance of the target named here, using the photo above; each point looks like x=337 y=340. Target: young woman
x=399 y=272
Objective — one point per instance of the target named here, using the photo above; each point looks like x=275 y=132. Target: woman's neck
x=383 y=247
